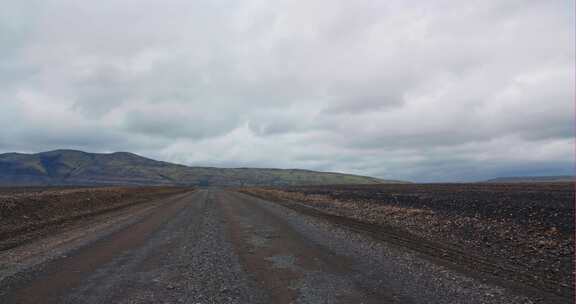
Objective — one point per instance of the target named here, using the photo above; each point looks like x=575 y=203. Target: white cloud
x=434 y=90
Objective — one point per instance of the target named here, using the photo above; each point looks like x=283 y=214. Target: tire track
x=472 y=265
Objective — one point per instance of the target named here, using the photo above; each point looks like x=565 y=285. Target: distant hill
x=70 y=167
x=532 y=179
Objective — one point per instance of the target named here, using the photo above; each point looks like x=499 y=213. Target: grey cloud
x=435 y=90
x=174 y=124
x=364 y=103
x=101 y=91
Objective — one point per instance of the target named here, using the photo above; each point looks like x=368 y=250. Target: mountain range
x=71 y=167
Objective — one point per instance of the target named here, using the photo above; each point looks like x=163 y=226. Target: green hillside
x=69 y=167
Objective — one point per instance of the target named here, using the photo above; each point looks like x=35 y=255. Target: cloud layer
x=420 y=90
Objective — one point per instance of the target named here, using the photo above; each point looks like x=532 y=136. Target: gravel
x=189 y=260
x=195 y=256
x=381 y=266
x=528 y=227
x=27 y=214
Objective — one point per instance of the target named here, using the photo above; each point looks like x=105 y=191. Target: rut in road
x=182 y=257
x=217 y=246
x=291 y=267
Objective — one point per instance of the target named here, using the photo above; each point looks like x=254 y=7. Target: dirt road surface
x=220 y=246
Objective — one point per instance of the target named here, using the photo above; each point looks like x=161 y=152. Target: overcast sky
x=420 y=90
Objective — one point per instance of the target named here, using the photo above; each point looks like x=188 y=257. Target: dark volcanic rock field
x=527 y=227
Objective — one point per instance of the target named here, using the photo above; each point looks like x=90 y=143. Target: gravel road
x=219 y=246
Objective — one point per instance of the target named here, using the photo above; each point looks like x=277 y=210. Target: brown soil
x=28 y=213
x=523 y=232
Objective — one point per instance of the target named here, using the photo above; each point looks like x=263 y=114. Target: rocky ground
x=27 y=213
x=527 y=228
x=221 y=246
